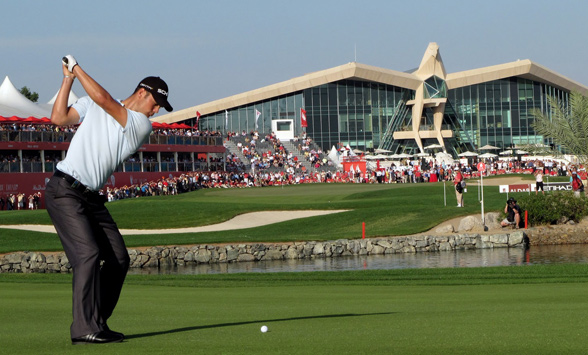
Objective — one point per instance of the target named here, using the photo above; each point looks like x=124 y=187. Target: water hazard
x=546 y=254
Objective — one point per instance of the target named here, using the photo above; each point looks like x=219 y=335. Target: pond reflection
x=546 y=254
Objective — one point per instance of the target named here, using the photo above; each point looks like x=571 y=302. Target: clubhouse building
x=368 y=107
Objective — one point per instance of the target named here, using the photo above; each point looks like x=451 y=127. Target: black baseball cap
x=158 y=88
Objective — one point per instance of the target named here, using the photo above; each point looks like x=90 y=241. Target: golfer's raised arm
x=62 y=115
x=98 y=94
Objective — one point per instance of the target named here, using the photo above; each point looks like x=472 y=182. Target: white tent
x=334 y=156
x=13 y=103
x=443 y=157
x=350 y=151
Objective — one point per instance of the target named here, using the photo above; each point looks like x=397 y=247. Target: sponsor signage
x=550 y=186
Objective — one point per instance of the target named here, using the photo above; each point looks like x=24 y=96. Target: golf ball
x=264 y=329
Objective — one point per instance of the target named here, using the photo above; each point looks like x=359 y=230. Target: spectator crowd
x=272 y=164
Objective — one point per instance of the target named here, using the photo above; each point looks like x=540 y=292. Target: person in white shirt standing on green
x=110 y=132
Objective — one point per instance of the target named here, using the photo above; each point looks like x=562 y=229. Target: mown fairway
x=506 y=310
x=503 y=310
x=386 y=209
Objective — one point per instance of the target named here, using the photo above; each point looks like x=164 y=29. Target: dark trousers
x=95 y=249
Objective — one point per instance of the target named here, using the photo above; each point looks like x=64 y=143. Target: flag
x=226 y=119
x=197 y=119
x=303 y=121
x=257 y=114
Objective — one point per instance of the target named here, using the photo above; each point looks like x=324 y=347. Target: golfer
x=109 y=133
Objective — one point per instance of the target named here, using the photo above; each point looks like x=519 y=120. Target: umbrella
x=487 y=155
x=506 y=152
x=434 y=146
x=422 y=154
x=488 y=147
x=521 y=152
x=382 y=151
x=468 y=154
x=404 y=155
x=357 y=151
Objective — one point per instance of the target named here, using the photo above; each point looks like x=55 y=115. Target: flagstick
x=444 y=194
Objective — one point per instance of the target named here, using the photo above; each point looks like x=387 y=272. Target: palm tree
x=566 y=124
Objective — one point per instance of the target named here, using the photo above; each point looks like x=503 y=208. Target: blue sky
x=208 y=50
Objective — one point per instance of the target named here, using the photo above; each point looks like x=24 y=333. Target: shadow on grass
x=186 y=329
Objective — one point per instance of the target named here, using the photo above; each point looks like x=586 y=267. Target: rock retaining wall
x=27 y=262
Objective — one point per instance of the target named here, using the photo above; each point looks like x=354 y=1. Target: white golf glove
x=70 y=62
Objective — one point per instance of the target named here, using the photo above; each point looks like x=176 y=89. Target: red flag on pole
x=303 y=121
x=197 y=119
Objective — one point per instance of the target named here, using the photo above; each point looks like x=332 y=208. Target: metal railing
x=61 y=137
x=35 y=136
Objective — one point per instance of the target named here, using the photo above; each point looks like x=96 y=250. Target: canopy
x=468 y=154
x=28 y=120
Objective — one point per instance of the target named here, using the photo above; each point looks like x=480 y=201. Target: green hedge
x=554 y=208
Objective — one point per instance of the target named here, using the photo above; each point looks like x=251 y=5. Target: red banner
x=303 y=121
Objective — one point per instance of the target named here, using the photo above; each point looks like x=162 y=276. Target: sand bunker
x=246 y=220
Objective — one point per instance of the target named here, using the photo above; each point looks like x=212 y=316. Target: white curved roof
x=13 y=103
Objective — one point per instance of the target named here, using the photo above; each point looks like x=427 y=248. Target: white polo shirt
x=101 y=143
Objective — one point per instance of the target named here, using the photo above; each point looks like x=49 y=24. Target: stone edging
x=154 y=257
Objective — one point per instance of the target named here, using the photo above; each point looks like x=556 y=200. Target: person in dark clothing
x=513 y=214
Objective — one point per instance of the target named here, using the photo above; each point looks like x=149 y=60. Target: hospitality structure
x=367 y=107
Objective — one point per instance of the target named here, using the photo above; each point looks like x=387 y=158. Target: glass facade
x=354 y=113
x=344 y=112
x=499 y=112
x=246 y=118
x=358 y=113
